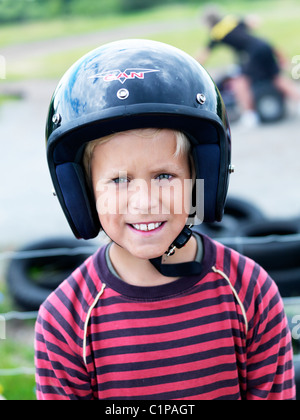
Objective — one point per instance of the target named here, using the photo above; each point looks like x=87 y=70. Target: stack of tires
x=274 y=244
x=38 y=268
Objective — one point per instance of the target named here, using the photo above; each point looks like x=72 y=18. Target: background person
x=258 y=60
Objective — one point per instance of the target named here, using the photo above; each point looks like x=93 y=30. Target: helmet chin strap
x=190 y=268
x=180 y=269
x=182 y=239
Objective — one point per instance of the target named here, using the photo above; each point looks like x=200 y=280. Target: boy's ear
x=207 y=166
x=75 y=199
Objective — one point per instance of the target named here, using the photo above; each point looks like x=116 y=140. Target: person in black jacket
x=258 y=60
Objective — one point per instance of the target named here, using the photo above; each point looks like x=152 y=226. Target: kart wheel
x=270 y=103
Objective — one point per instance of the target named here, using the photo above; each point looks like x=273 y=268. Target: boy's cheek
x=109 y=202
x=106 y=201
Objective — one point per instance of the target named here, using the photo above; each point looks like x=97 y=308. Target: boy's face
x=142 y=190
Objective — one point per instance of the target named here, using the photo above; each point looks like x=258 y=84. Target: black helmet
x=126 y=85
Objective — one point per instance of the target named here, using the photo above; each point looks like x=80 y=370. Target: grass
x=8 y=98
x=14 y=353
x=57 y=28
x=280 y=24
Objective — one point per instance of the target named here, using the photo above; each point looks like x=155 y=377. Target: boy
x=161 y=312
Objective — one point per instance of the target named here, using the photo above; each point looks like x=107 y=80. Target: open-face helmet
x=126 y=85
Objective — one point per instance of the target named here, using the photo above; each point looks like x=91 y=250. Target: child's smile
x=146 y=227
x=142 y=190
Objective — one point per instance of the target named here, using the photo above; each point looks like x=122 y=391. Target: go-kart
x=269 y=101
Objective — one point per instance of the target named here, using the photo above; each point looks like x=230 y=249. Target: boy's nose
x=143 y=198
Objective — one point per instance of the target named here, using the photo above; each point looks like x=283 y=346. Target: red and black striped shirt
x=219 y=335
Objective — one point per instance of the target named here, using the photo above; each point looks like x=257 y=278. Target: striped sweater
x=219 y=335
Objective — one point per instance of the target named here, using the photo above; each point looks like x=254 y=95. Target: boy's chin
x=147 y=254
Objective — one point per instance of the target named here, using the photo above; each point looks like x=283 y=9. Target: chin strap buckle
x=171 y=251
x=180 y=241
x=191 y=268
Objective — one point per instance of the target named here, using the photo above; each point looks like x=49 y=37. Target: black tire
x=31 y=279
x=270 y=228
x=243 y=210
x=270 y=103
x=297 y=223
x=275 y=245
x=238 y=213
x=232 y=107
x=288 y=281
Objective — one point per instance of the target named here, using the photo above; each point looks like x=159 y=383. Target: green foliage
x=135 y=5
x=12 y=11
x=93 y=7
x=16 y=351
x=13 y=355
x=26 y=10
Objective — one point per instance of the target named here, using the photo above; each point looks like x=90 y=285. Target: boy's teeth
x=146 y=227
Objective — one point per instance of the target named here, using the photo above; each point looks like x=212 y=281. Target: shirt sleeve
x=270 y=371
x=60 y=371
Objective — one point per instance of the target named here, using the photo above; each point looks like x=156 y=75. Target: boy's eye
x=121 y=180
x=163 y=176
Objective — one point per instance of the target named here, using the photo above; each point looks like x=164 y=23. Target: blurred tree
x=94 y=7
x=11 y=11
x=66 y=6
x=20 y=10
x=132 y=5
